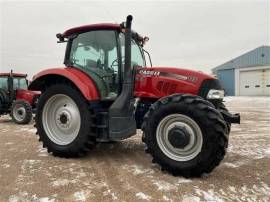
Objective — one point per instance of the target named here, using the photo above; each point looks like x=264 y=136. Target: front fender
x=78 y=78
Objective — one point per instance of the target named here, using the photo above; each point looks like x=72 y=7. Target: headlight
x=215 y=94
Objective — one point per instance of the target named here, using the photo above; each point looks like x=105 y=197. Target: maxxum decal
x=192 y=79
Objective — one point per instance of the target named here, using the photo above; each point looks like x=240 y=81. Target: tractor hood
x=162 y=81
x=179 y=73
x=27 y=95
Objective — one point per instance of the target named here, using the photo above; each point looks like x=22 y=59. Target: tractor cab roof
x=86 y=28
x=13 y=74
x=101 y=26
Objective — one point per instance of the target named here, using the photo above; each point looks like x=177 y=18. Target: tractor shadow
x=130 y=151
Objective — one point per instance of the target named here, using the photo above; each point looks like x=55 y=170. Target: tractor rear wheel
x=21 y=112
x=185 y=135
x=63 y=121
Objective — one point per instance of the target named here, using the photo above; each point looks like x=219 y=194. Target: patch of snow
x=191 y=199
x=164 y=186
x=165 y=198
x=231 y=165
x=137 y=170
x=114 y=197
x=62 y=182
x=267 y=151
x=42 y=151
x=13 y=198
x=24 y=196
x=32 y=130
x=46 y=199
x=180 y=181
x=79 y=196
x=108 y=192
x=29 y=164
x=143 y=196
x=5 y=165
x=208 y=195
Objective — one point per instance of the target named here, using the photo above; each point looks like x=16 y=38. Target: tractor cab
x=99 y=51
x=19 y=81
x=10 y=82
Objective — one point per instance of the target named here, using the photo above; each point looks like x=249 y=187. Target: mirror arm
x=148 y=57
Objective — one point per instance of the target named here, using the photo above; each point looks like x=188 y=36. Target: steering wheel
x=115 y=62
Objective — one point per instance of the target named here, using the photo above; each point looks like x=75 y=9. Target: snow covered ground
x=123 y=172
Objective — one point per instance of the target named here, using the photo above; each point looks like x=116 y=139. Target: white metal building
x=248 y=74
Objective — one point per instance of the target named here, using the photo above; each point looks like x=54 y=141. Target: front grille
x=166 y=87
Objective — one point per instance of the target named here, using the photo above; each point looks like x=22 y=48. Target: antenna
x=107 y=13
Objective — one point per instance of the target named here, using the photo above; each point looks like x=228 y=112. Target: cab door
x=96 y=53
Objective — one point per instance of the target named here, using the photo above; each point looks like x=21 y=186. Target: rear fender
x=78 y=78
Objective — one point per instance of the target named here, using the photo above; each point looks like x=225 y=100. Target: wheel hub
x=63 y=118
x=179 y=137
x=19 y=113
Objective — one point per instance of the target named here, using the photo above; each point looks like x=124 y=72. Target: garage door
x=255 y=82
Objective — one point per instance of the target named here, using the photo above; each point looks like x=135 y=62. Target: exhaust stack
x=121 y=111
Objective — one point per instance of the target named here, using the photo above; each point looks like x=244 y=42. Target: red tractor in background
x=106 y=92
x=15 y=99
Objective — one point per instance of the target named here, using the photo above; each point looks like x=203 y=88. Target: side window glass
x=4 y=83
x=137 y=58
x=15 y=83
x=95 y=52
x=136 y=55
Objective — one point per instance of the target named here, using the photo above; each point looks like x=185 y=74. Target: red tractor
x=15 y=99
x=106 y=92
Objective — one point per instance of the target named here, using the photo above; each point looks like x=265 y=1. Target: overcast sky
x=191 y=34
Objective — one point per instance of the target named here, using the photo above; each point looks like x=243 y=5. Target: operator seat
x=91 y=63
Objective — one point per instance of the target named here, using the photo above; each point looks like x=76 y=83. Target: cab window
x=95 y=49
x=137 y=58
x=4 y=83
x=19 y=83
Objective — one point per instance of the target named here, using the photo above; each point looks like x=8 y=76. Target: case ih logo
x=149 y=73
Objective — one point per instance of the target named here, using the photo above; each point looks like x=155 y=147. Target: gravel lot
x=123 y=172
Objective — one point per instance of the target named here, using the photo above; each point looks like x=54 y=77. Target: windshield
x=19 y=83
x=96 y=49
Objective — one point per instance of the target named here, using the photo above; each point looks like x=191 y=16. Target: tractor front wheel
x=228 y=124
x=185 y=135
x=21 y=112
x=63 y=121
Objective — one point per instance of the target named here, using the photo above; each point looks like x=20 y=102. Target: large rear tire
x=185 y=135
x=63 y=121
x=21 y=112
